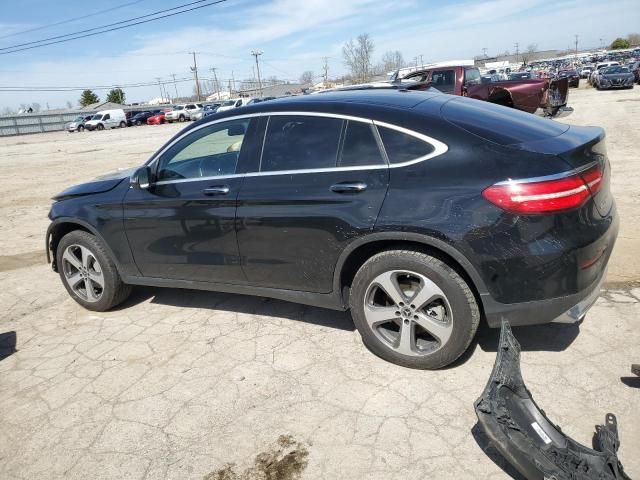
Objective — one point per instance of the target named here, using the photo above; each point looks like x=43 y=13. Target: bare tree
x=528 y=54
x=306 y=78
x=36 y=107
x=357 y=56
x=391 y=61
x=69 y=105
x=633 y=39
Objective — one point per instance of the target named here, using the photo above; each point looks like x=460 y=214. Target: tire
x=83 y=257
x=181 y=118
x=138 y=123
x=100 y=127
x=80 y=128
x=123 y=124
x=452 y=312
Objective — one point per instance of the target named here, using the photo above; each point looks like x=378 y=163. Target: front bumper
x=525 y=436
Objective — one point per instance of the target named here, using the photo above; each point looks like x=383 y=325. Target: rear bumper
x=569 y=309
x=565 y=309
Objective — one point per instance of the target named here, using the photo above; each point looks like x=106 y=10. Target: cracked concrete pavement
x=179 y=384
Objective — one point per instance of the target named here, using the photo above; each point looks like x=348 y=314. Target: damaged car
x=528 y=440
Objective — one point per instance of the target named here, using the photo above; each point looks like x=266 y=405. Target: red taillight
x=545 y=196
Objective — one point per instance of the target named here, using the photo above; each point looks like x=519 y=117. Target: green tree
x=88 y=97
x=619 y=43
x=115 y=95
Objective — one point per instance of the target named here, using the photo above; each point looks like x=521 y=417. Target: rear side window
x=498 y=124
x=472 y=76
x=444 y=80
x=360 y=146
x=297 y=142
x=402 y=147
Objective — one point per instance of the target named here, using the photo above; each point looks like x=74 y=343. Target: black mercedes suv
x=420 y=212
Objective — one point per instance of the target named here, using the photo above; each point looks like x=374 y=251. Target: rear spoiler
x=527 y=439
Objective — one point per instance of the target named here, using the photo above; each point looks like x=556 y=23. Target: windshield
x=615 y=70
x=228 y=103
x=78 y=119
x=179 y=107
x=96 y=117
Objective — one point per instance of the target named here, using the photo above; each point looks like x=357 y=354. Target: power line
x=75 y=36
x=71 y=20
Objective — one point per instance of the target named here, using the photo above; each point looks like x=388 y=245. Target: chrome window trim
x=546 y=178
x=439 y=147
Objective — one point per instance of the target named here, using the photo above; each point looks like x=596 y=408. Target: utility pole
x=257 y=53
x=161 y=94
x=421 y=62
x=233 y=82
x=194 y=69
x=517 y=45
x=484 y=52
x=174 y=84
x=576 y=46
x=325 y=67
x=215 y=79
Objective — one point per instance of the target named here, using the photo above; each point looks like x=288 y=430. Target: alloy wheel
x=83 y=273
x=408 y=312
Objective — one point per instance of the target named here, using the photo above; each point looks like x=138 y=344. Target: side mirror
x=141 y=178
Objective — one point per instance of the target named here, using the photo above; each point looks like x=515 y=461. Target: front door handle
x=349 y=187
x=216 y=190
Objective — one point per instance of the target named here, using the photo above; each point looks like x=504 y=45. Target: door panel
x=179 y=231
x=183 y=226
x=292 y=228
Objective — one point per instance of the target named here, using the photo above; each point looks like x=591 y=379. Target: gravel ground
x=179 y=385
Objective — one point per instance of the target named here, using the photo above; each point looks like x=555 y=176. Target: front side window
x=444 y=80
x=359 y=147
x=208 y=152
x=106 y=117
x=402 y=147
x=297 y=142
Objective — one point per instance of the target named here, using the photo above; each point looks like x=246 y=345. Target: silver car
x=77 y=124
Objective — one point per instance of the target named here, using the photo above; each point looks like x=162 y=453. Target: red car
x=157 y=119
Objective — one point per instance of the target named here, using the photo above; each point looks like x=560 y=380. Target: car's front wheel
x=88 y=273
x=413 y=309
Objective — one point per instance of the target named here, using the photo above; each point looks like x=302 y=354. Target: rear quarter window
x=402 y=147
x=498 y=124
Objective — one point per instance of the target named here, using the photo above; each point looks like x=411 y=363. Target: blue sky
x=294 y=34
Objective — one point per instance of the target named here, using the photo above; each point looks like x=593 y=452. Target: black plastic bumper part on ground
x=523 y=434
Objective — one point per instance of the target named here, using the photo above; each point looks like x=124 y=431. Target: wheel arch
x=61 y=227
x=358 y=252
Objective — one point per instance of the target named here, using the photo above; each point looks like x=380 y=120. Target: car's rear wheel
x=80 y=128
x=123 y=124
x=138 y=123
x=88 y=273
x=413 y=309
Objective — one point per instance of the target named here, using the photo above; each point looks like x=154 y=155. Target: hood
x=101 y=184
x=610 y=76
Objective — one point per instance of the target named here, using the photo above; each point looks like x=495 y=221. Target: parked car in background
x=141 y=118
x=599 y=66
x=572 y=75
x=156 y=118
x=107 y=119
x=182 y=113
x=614 y=77
x=77 y=124
x=207 y=109
x=635 y=69
x=234 y=103
x=321 y=200
x=585 y=72
x=523 y=94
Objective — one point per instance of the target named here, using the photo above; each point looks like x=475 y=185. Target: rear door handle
x=349 y=187
x=216 y=190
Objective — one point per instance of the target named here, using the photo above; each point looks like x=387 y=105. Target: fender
x=410 y=237
x=82 y=223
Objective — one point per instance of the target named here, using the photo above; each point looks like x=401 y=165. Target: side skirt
x=331 y=300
